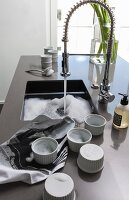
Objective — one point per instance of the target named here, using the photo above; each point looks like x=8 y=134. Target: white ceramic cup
x=44 y=150
x=59 y=186
x=46 y=58
x=91 y=158
x=47 y=49
x=54 y=53
x=78 y=137
x=95 y=123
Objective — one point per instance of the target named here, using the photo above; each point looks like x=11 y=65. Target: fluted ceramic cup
x=59 y=186
x=46 y=61
x=54 y=54
x=47 y=49
x=91 y=158
x=44 y=150
x=77 y=137
x=95 y=123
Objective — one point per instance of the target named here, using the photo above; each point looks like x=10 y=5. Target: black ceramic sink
x=50 y=89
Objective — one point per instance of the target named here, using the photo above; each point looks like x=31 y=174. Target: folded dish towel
x=14 y=153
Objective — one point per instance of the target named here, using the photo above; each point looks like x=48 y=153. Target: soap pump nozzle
x=124 y=100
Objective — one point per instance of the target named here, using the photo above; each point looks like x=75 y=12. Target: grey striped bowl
x=77 y=137
x=59 y=186
x=91 y=158
x=45 y=150
x=95 y=123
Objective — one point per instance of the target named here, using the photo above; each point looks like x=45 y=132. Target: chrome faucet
x=104 y=94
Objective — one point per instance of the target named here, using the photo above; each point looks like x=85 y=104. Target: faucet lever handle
x=106 y=96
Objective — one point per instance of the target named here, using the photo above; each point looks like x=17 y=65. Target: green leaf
x=104 y=23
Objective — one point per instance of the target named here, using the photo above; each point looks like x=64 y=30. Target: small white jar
x=91 y=158
x=59 y=186
x=44 y=150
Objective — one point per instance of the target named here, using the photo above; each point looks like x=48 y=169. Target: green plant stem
x=104 y=22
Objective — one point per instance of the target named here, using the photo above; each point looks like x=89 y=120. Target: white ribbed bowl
x=95 y=123
x=46 y=58
x=45 y=150
x=77 y=137
x=91 y=158
x=47 y=49
x=55 y=60
x=59 y=186
x=46 y=65
x=54 y=53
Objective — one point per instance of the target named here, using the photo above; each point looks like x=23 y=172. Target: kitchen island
x=112 y=183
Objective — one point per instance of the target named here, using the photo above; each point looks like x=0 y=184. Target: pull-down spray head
x=65 y=65
x=104 y=94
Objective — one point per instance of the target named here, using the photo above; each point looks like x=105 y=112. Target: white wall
x=24 y=30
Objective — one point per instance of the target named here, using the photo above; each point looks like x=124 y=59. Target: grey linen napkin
x=14 y=165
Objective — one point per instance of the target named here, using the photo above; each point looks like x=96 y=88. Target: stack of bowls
x=54 y=54
x=59 y=186
x=46 y=64
x=46 y=61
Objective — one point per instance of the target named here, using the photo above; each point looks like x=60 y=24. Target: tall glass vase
x=96 y=48
x=97 y=64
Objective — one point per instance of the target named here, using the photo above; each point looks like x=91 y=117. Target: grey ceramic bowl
x=45 y=150
x=46 y=58
x=54 y=53
x=59 y=186
x=47 y=49
x=95 y=123
x=91 y=158
x=77 y=137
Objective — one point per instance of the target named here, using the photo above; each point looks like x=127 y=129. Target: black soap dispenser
x=121 y=113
